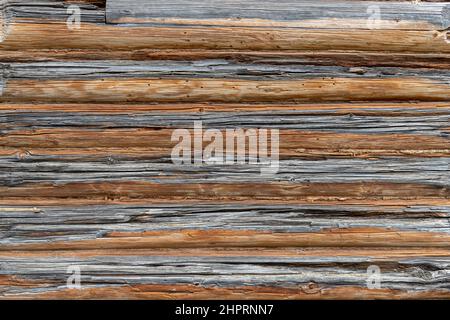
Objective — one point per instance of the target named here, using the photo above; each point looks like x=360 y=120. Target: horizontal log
x=59 y=171
x=364 y=118
x=151 y=90
x=304 y=292
x=274 y=69
x=147 y=192
x=321 y=58
x=311 y=254
x=117 y=37
x=287 y=13
x=363 y=109
x=150 y=143
x=351 y=237
x=403 y=27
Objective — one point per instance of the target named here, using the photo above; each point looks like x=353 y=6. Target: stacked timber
x=92 y=91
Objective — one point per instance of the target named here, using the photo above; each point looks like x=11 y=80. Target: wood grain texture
x=86 y=123
x=37 y=35
x=287 y=13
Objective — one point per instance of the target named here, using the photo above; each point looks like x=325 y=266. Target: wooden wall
x=86 y=179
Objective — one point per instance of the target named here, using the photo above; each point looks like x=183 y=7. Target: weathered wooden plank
x=31 y=35
x=287 y=13
x=152 y=90
x=391 y=109
x=151 y=143
x=28 y=27
x=350 y=237
x=307 y=253
x=60 y=170
x=275 y=192
x=211 y=69
x=52 y=10
x=186 y=292
x=418 y=118
x=21 y=225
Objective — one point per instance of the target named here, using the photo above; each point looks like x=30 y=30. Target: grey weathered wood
x=56 y=10
x=155 y=11
x=424 y=121
x=275 y=69
x=19 y=225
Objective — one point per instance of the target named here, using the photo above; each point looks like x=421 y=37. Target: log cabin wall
x=360 y=94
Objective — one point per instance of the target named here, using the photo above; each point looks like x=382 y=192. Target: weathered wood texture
x=287 y=13
x=405 y=27
x=86 y=177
